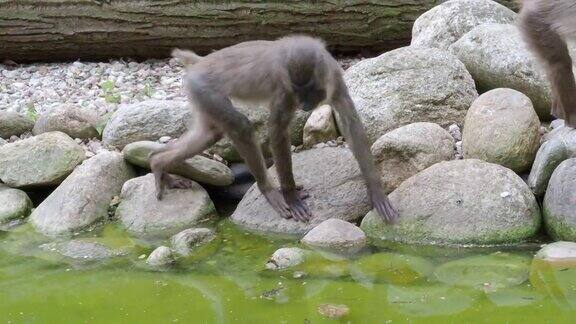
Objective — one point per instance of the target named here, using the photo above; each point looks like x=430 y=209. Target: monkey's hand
x=295 y=202
x=382 y=205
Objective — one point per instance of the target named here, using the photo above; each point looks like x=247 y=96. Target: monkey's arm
x=358 y=141
x=282 y=111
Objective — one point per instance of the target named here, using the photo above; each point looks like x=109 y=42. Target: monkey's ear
x=186 y=57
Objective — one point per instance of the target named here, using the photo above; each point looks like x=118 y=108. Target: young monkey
x=545 y=24
x=287 y=73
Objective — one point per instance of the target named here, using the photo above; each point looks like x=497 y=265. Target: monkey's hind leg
x=194 y=141
x=551 y=48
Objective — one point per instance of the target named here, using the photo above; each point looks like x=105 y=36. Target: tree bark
x=58 y=30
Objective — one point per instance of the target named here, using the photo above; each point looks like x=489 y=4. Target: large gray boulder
x=41 y=160
x=497 y=57
x=444 y=24
x=258 y=114
x=558 y=207
x=502 y=127
x=410 y=149
x=460 y=202
x=336 y=235
x=144 y=216
x=77 y=122
x=14 y=204
x=146 y=120
x=332 y=178
x=198 y=168
x=410 y=85
x=84 y=197
x=12 y=123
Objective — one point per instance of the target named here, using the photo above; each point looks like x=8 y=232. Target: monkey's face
x=311 y=98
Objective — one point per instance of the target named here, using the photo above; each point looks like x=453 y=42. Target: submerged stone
x=391 y=268
x=485 y=272
x=161 y=257
x=185 y=242
x=431 y=300
x=83 y=251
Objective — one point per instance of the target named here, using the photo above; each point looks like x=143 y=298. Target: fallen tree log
x=57 y=30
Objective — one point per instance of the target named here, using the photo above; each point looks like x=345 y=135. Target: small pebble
x=164 y=139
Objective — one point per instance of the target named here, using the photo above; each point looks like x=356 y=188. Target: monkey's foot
x=168 y=181
x=382 y=205
x=276 y=200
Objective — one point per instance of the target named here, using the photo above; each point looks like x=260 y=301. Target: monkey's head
x=310 y=95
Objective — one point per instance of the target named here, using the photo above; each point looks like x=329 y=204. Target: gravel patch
x=98 y=86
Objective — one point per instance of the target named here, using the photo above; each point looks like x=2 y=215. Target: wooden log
x=58 y=30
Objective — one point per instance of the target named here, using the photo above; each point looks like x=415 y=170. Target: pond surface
x=227 y=283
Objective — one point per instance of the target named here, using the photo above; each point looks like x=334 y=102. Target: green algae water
x=227 y=282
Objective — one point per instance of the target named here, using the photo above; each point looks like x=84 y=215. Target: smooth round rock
x=197 y=168
x=84 y=197
x=497 y=57
x=160 y=257
x=550 y=154
x=460 y=202
x=74 y=121
x=185 y=242
x=41 y=160
x=144 y=216
x=14 y=204
x=558 y=207
x=502 y=127
x=410 y=149
x=444 y=24
x=409 y=85
x=336 y=235
x=286 y=258
x=14 y=124
x=146 y=120
x=331 y=177
x=320 y=126
x=558 y=254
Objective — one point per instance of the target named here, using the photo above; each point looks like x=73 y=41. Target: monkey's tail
x=186 y=57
